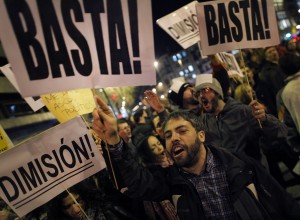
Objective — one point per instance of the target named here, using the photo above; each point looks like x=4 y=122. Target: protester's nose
x=175 y=137
x=199 y=97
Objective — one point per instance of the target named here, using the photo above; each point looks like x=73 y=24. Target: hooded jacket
x=236 y=129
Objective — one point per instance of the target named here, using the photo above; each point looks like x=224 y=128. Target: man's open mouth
x=204 y=101
x=177 y=150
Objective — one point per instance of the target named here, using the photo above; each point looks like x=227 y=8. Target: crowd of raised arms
x=212 y=152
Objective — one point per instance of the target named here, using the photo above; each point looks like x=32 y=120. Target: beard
x=193 y=101
x=192 y=155
x=214 y=105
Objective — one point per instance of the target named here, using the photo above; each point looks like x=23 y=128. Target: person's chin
x=180 y=162
x=78 y=215
x=180 y=159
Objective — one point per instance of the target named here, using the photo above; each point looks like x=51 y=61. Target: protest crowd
x=213 y=150
x=233 y=118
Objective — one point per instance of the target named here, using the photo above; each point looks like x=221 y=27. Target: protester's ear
x=201 y=135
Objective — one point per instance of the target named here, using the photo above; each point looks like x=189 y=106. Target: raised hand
x=105 y=123
x=153 y=101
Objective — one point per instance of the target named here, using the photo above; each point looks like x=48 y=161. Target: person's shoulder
x=266 y=70
x=234 y=105
x=290 y=92
x=292 y=86
x=227 y=158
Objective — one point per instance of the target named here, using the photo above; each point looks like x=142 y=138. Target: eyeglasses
x=202 y=92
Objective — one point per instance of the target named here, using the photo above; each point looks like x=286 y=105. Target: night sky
x=162 y=41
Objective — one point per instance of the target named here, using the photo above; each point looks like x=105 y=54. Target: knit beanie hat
x=176 y=91
x=206 y=80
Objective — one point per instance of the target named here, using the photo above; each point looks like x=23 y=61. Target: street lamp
x=160 y=87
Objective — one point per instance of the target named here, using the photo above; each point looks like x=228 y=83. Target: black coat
x=167 y=183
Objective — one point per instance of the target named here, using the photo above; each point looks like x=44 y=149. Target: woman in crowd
x=153 y=154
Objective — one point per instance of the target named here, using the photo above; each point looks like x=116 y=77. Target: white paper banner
x=36 y=171
x=35 y=103
x=231 y=63
x=56 y=45
x=182 y=25
x=227 y=25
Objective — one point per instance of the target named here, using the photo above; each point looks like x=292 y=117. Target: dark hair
x=121 y=121
x=290 y=64
x=138 y=139
x=55 y=205
x=224 y=80
x=152 y=123
x=195 y=120
x=144 y=151
x=137 y=115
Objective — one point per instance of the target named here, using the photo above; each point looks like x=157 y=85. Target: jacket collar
x=290 y=78
x=234 y=168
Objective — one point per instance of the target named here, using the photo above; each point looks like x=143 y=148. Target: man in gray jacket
x=233 y=125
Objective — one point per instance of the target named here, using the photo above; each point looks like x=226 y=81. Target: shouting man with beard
x=205 y=182
x=233 y=125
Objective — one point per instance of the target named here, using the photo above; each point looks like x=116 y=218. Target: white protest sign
x=227 y=25
x=35 y=103
x=61 y=45
x=182 y=25
x=46 y=165
x=230 y=62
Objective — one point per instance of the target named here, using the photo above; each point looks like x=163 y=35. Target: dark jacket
x=236 y=129
x=270 y=81
x=272 y=75
x=167 y=183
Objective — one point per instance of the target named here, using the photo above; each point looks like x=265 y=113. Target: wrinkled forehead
x=174 y=123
